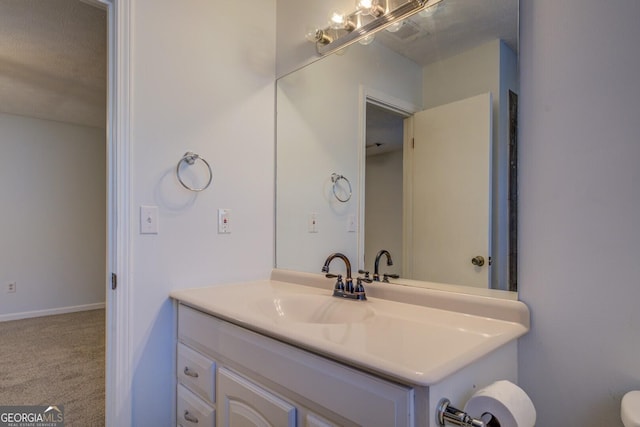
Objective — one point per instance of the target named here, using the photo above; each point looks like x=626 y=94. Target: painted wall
x=383 y=217
x=580 y=208
x=320 y=108
x=53 y=191
x=200 y=82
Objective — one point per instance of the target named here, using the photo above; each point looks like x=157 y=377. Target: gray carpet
x=56 y=360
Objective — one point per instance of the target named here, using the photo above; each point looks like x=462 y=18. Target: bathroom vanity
x=284 y=352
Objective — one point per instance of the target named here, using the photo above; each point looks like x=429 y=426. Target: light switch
x=313 y=222
x=148 y=220
x=224 y=221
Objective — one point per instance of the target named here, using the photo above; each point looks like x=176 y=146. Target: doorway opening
x=68 y=96
x=383 y=223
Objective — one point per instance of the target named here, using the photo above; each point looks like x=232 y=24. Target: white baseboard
x=50 y=312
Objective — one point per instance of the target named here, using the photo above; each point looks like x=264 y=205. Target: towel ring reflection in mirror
x=337 y=188
x=190 y=159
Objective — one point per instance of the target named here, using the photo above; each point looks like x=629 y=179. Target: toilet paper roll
x=507 y=402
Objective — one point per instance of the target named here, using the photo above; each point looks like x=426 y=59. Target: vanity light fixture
x=369 y=17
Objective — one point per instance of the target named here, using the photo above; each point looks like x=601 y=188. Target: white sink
x=313 y=308
x=421 y=342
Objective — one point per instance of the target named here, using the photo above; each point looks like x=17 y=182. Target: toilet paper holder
x=445 y=413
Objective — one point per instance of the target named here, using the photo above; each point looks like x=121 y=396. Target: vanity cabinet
x=283 y=352
x=231 y=376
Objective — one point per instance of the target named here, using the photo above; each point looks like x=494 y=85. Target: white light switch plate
x=313 y=222
x=224 y=221
x=148 y=220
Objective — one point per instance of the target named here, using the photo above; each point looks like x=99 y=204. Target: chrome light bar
x=358 y=26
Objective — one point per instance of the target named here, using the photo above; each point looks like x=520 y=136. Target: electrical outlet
x=11 y=287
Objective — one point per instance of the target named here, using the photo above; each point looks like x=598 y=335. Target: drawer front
x=197 y=372
x=193 y=411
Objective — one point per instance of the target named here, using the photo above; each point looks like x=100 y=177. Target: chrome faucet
x=376 y=266
x=341 y=289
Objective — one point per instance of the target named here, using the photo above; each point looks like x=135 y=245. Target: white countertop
x=416 y=344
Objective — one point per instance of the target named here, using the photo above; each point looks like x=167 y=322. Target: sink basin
x=323 y=309
x=421 y=342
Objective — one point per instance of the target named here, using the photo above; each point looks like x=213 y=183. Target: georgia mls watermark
x=32 y=416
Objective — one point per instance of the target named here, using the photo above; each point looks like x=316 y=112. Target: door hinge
x=413 y=143
x=114 y=280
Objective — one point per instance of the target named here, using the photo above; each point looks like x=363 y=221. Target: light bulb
x=312 y=34
x=316 y=35
x=370 y=7
x=336 y=20
x=364 y=5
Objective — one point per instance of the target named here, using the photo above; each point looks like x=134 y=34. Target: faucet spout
x=347 y=263
x=346 y=289
x=376 y=265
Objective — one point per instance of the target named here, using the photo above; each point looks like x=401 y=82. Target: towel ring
x=335 y=178
x=190 y=158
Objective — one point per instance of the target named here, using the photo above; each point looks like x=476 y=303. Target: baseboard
x=50 y=312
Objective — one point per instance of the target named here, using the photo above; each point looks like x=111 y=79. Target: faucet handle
x=359 y=289
x=339 y=286
x=366 y=273
x=366 y=279
x=386 y=277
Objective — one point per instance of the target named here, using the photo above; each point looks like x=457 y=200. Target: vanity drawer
x=193 y=411
x=197 y=372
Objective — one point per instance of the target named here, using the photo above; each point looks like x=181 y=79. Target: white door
x=450 y=192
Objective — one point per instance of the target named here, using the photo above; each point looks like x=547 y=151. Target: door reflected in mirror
x=421 y=130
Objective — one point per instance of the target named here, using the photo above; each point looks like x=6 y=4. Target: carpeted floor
x=56 y=360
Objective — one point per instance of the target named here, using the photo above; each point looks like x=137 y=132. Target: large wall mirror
x=405 y=148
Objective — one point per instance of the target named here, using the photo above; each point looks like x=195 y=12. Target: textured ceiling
x=53 y=60
x=452 y=27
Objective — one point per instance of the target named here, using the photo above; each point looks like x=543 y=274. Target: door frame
x=382 y=99
x=118 y=361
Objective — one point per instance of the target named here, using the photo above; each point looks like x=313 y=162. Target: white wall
x=203 y=80
x=52 y=193
x=320 y=111
x=580 y=208
x=383 y=199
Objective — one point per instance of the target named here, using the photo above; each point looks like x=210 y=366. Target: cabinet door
x=242 y=403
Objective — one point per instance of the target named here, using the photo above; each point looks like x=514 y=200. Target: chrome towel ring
x=190 y=158
x=336 y=178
